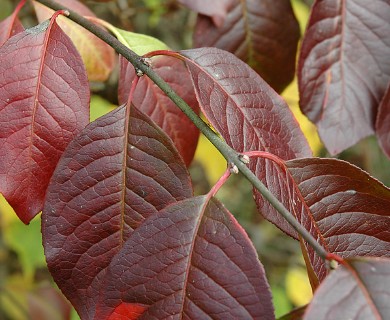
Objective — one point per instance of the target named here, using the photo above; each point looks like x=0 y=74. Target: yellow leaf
x=298 y=286
x=212 y=161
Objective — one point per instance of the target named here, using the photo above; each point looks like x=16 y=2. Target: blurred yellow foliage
x=290 y=94
x=298 y=287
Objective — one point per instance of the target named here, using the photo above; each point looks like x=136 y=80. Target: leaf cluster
x=124 y=235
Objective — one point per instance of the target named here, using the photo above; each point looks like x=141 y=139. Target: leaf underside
x=263 y=34
x=358 y=292
x=190 y=261
x=344 y=69
x=44 y=103
x=115 y=174
x=152 y=101
x=250 y=116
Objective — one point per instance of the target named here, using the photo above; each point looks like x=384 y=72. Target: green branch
x=232 y=157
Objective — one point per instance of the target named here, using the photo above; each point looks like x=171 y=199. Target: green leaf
x=139 y=43
x=99 y=107
x=26 y=241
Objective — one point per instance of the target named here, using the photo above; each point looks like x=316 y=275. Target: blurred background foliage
x=27 y=290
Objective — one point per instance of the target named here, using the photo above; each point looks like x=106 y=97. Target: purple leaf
x=263 y=34
x=121 y=169
x=192 y=260
x=344 y=208
x=359 y=291
x=216 y=11
x=249 y=115
x=44 y=103
x=344 y=68
x=383 y=123
x=151 y=100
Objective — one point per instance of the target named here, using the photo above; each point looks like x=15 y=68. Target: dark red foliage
x=264 y=34
x=190 y=261
x=249 y=115
x=44 y=103
x=343 y=68
x=343 y=207
x=152 y=101
x=359 y=290
x=117 y=172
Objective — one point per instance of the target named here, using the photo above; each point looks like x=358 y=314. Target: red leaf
x=343 y=207
x=217 y=11
x=121 y=169
x=383 y=123
x=344 y=69
x=263 y=34
x=127 y=311
x=11 y=25
x=359 y=291
x=98 y=57
x=249 y=115
x=192 y=260
x=44 y=97
x=151 y=100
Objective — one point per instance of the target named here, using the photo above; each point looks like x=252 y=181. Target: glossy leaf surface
x=249 y=115
x=190 y=261
x=343 y=207
x=217 y=11
x=359 y=292
x=112 y=176
x=344 y=69
x=11 y=25
x=263 y=34
x=383 y=124
x=44 y=103
x=98 y=57
x=151 y=100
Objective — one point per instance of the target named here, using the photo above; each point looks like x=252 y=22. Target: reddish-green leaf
x=343 y=207
x=98 y=57
x=121 y=169
x=11 y=25
x=296 y=314
x=151 y=100
x=383 y=123
x=45 y=302
x=344 y=69
x=264 y=34
x=359 y=291
x=44 y=97
x=192 y=260
x=217 y=11
x=249 y=115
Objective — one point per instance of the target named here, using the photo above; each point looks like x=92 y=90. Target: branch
x=232 y=157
